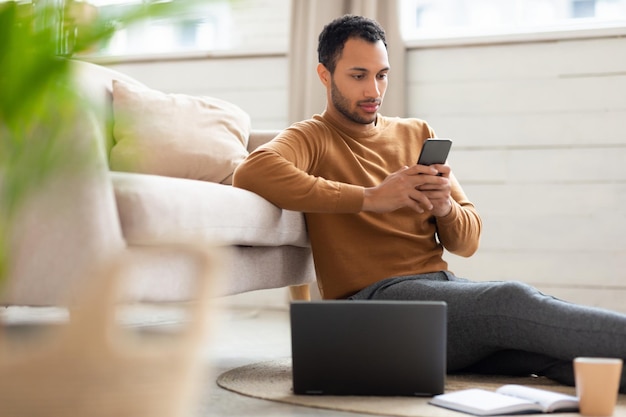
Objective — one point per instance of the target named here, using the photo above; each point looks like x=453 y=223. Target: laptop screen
x=344 y=347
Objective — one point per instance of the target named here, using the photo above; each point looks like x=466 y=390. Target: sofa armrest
x=64 y=228
x=259 y=137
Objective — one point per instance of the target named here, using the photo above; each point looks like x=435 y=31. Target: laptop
x=344 y=347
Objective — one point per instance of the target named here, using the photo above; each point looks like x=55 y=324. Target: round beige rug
x=272 y=381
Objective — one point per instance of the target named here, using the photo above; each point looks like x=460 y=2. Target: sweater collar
x=354 y=133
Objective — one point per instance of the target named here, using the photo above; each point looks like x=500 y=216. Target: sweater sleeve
x=459 y=231
x=279 y=172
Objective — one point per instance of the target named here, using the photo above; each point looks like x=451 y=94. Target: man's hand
x=417 y=187
x=439 y=194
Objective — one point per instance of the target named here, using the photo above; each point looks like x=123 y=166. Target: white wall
x=258 y=84
x=539 y=132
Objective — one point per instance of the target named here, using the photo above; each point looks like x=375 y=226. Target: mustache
x=370 y=101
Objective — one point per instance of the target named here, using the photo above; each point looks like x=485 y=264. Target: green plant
x=37 y=101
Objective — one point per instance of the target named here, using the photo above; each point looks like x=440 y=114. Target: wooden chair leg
x=300 y=292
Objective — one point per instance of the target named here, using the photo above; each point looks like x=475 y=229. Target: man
x=379 y=223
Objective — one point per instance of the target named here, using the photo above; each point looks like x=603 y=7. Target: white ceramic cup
x=597 y=385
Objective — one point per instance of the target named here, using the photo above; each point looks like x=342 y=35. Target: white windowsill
x=548 y=34
x=181 y=56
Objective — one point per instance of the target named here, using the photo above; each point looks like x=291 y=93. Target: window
x=446 y=18
x=583 y=8
x=216 y=25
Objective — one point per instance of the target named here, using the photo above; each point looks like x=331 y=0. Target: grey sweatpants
x=510 y=328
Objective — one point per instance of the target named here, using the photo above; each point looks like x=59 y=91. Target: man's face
x=359 y=82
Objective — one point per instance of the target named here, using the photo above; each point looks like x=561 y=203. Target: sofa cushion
x=155 y=209
x=176 y=135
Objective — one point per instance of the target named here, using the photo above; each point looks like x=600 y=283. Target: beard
x=342 y=104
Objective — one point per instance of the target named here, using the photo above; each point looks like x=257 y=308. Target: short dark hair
x=335 y=34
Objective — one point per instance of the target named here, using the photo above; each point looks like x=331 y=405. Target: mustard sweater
x=320 y=168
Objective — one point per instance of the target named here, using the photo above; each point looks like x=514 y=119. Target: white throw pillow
x=177 y=135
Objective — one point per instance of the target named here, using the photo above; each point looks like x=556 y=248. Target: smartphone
x=435 y=151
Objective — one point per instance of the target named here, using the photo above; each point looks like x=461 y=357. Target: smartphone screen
x=435 y=151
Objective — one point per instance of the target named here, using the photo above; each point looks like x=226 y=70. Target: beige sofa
x=57 y=241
